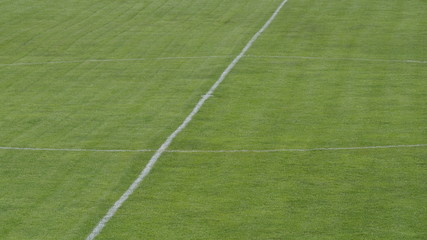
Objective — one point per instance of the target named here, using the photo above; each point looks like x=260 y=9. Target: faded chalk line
x=207 y=57
x=111 y=212
x=340 y=59
x=219 y=151
x=111 y=60
x=74 y=149
x=298 y=150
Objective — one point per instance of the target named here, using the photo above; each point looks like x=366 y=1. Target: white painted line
x=207 y=57
x=215 y=151
x=297 y=150
x=187 y=120
x=111 y=60
x=340 y=59
x=75 y=149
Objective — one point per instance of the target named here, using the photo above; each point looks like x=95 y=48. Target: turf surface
x=346 y=96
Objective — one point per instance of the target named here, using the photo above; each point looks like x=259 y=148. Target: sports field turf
x=332 y=79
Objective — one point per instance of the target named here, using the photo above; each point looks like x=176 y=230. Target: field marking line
x=298 y=150
x=207 y=57
x=187 y=120
x=111 y=60
x=343 y=59
x=75 y=149
x=216 y=151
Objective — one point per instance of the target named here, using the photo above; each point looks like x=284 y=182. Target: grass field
x=123 y=75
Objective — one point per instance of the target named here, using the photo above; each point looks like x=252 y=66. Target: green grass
x=369 y=194
x=293 y=103
x=47 y=195
x=265 y=103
